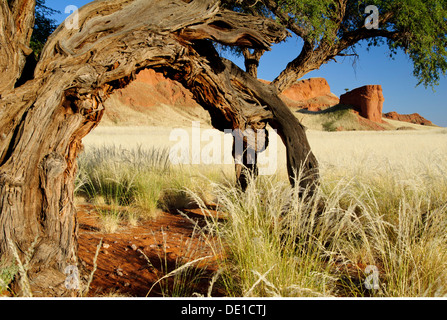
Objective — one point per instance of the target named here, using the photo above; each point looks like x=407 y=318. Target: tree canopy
x=44 y=26
x=331 y=28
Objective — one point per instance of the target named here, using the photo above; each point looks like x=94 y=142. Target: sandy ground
x=132 y=259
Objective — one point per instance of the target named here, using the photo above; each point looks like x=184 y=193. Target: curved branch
x=285 y=19
x=231 y=28
x=351 y=38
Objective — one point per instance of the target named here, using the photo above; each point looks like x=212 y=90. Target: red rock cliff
x=313 y=94
x=367 y=101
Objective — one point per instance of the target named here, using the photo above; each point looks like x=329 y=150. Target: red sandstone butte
x=367 y=101
x=411 y=118
x=308 y=89
x=313 y=94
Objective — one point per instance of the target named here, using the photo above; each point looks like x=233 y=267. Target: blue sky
x=373 y=67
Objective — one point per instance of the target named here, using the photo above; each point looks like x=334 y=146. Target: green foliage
x=43 y=27
x=336 y=116
x=425 y=23
x=316 y=17
x=7 y=274
x=417 y=27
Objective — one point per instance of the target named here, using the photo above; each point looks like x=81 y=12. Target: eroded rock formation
x=414 y=118
x=367 y=101
x=313 y=94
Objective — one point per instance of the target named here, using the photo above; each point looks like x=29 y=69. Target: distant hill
x=153 y=100
x=414 y=118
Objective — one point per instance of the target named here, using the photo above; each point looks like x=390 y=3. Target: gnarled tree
x=43 y=121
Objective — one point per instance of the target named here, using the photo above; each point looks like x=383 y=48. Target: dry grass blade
x=213 y=281
x=176 y=271
x=260 y=279
x=384 y=203
x=95 y=259
x=23 y=267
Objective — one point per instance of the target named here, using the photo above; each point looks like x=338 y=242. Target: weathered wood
x=251 y=61
x=16 y=25
x=43 y=121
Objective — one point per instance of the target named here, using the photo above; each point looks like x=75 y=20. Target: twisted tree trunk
x=43 y=121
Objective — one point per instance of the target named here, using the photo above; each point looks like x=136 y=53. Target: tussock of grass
x=275 y=241
x=181 y=279
x=128 y=185
x=279 y=244
x=120 y=177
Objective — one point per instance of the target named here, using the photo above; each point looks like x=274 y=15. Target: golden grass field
x=376 y=226
x=367 y=151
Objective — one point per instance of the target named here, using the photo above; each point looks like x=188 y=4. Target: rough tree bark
x=16 y=25
x=43 y=121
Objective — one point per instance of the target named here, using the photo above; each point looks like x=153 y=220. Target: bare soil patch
x=132 y=259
